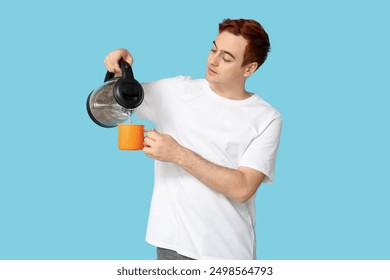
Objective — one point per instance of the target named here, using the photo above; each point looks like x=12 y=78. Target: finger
x=148 y=151
x=129 y=59
x=148 y=141
x=115 y=66
x=110 y=65
x=111 y=62
x=153 y=134
x=107 y=64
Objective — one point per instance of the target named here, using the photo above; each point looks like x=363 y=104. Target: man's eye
x=213 y=50
x=227 y=59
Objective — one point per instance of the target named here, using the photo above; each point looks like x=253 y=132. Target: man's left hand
x=161 y=146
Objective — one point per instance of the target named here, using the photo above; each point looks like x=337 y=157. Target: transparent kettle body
x=104 y=109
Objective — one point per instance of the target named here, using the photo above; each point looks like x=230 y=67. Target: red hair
x=258 y=42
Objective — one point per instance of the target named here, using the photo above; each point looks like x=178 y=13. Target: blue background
x=67 y=192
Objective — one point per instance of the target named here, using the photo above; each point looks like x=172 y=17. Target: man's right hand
x=111 y=60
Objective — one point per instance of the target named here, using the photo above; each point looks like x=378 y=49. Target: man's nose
x=214 y=60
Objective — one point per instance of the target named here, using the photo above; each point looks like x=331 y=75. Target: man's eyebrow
x=224 y=50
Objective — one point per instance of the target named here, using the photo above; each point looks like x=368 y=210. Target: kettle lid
x=128 y=92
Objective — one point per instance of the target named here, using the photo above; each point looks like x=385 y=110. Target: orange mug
x=130 y=136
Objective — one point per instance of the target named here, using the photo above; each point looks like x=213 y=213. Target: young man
x=214 y=144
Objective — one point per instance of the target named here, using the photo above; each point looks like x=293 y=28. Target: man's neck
x=234 y=93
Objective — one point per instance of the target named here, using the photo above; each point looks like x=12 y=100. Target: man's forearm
x=233 y=183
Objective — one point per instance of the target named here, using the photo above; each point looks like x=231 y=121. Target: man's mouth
x=212 y=71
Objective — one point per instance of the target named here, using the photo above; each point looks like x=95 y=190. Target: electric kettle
x=115 y=101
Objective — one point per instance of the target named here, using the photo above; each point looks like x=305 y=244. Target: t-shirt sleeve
x=153 y=97
x=155 y=94
x=261 y=153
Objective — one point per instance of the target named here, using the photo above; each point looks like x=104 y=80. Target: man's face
x=224 y=63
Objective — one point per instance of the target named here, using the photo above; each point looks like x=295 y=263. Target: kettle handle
x=127 y=71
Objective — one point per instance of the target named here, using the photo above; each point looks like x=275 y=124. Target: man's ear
x=250 y=69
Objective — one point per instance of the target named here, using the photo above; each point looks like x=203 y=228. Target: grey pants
x=166 y=254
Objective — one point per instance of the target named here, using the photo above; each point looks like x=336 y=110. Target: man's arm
x=237 y=184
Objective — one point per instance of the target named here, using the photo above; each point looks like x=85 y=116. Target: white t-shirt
x=186 y=215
